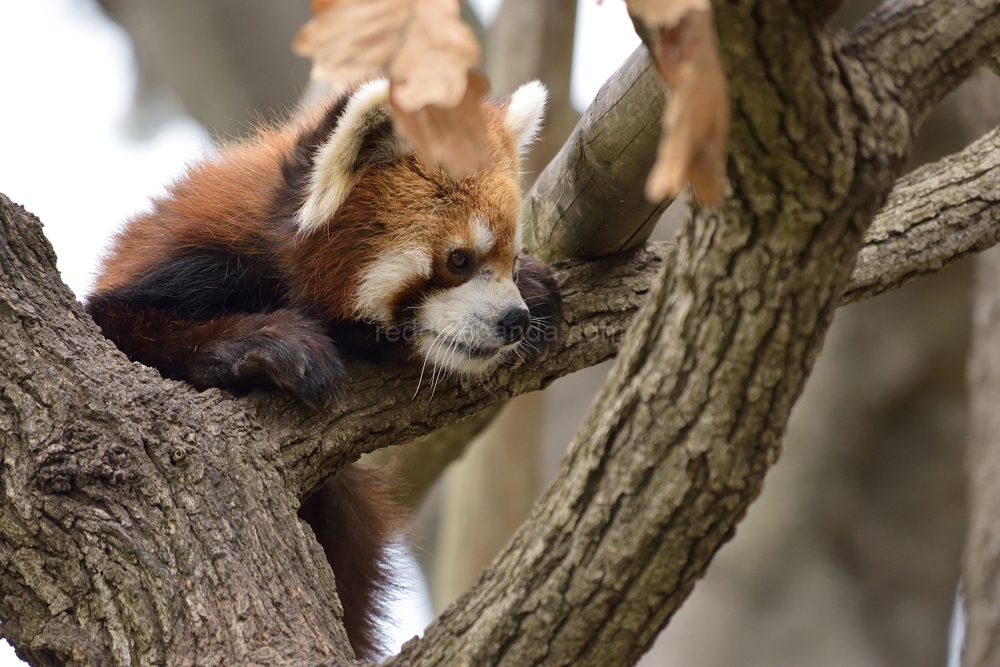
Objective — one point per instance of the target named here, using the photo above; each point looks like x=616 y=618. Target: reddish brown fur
x=222 y=201
x=229 y=202
x=416 y=206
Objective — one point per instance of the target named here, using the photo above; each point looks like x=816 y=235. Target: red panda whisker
x=528 y=345
x=434 y=383
x=439 y=370
x=449 y=353
x=485 y=382
x=420 y=380
x=427 y=357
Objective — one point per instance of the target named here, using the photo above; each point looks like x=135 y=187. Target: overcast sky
x=69 y=76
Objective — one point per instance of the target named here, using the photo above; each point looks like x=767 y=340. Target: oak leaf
x=427 y=51
x=348 y=40
x=454 y=138
x=692 y=146
x=435 y=57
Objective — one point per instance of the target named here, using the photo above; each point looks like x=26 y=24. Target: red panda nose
x=513 y=326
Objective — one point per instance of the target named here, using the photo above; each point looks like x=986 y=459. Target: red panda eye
x=458 y=261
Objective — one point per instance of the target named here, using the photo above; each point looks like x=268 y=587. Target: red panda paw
x=538 y=288
x=281 y=349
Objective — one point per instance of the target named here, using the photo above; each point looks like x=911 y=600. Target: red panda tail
x=355 y=522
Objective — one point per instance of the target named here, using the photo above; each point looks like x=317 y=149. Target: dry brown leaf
x=436 y=55
x=657 y=13
x=428 y=52
x=696 y=121
x=452 y=138
x=350 y=39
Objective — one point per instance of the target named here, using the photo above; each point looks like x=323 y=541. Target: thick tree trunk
x=145 y=523
x=142 y=523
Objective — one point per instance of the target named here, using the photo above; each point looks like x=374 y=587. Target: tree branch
x=935 y=215
x=692 y=415
x=589 y=201
x=379 y=410
x=926 y=48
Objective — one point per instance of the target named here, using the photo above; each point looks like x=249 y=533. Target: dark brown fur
x=354 y=521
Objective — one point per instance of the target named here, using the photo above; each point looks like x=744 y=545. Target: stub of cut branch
x=589 y=201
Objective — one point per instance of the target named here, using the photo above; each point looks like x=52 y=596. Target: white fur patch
x=383 y=280
x=525 y=113
x=333 y=174
x=482 y=236
x=459 y=326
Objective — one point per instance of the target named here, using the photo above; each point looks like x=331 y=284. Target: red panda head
x=386 y=239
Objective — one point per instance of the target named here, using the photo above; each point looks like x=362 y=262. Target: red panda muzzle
x=270 y=264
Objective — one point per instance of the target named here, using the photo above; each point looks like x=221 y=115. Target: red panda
x=269 y=264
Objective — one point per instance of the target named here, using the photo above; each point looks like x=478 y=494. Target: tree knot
x=79 y=456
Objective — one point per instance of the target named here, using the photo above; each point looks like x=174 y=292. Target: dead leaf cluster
x=428 y=53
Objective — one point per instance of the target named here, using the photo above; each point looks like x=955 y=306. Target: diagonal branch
x=926 y=48
x=691 y=418
x=935 y=215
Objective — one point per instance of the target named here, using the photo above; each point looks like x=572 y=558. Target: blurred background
x=852 y=554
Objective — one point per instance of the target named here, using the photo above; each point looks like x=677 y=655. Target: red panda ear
x=363 y=137
x=525 y=113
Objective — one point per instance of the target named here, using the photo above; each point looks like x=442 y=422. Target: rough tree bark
x=145 y=523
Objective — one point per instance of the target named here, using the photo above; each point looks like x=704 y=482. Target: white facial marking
x=333 y=174
x=459 y=326
x=383 y=279
x=525 y=112
x=482 y=236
